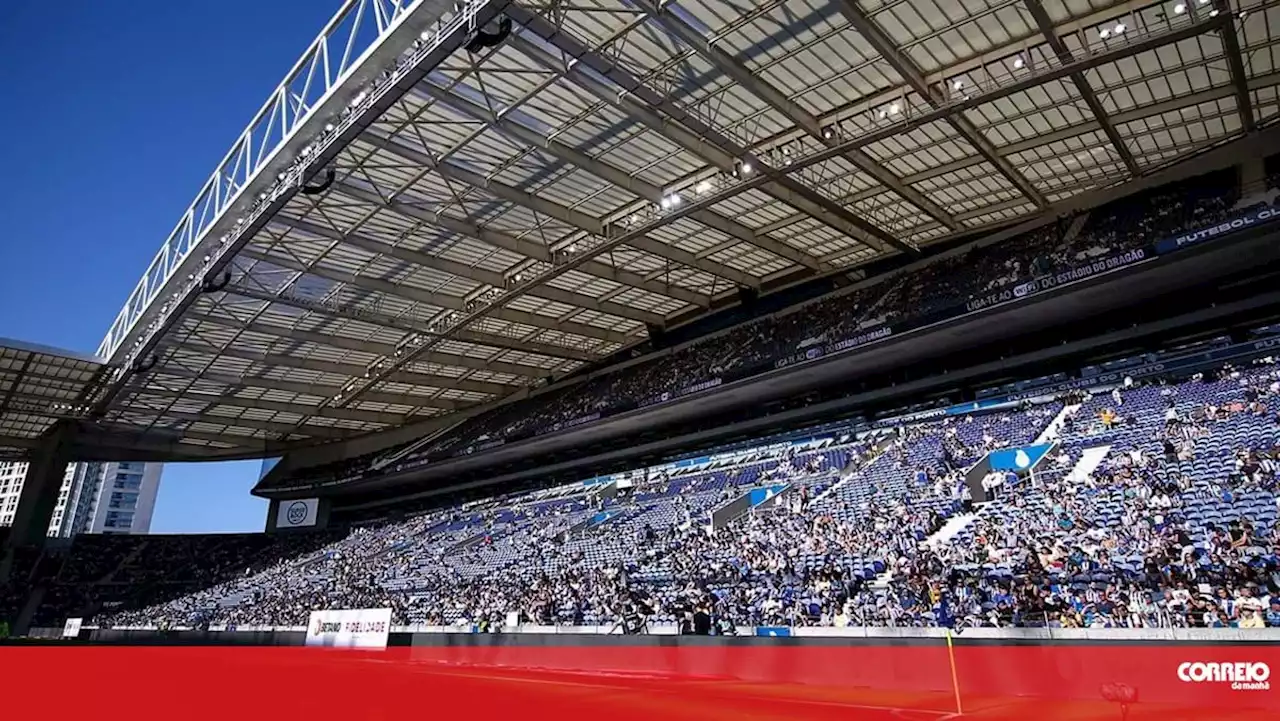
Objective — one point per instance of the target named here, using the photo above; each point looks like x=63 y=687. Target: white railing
x=323 y=72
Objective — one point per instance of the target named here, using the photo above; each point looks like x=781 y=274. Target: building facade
x=94 y=498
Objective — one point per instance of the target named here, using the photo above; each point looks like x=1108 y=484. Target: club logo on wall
x=296 y=513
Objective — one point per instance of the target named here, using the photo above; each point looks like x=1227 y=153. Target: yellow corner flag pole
x=955 y=679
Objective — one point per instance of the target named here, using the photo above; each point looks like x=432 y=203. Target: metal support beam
x=308 y=389
x=234 y=401
x=413 y=378
x=283 y=429
x=448 y=302
x=782 y=187
x=697 y=144
x=372 y=347
x=1082 y=85
x=762 y=89
x=1090 y=126
x=614 y=176
x=1239 y=79
x=479 y=275
x=527 y=248
x=407 y=324
x=914 y=78
x=1030 y=80
x=581 y=220
x=115 y=442
x=410 y=324
x=17 y=381
x=247 y=184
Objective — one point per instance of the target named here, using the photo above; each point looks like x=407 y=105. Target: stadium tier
x=1109 y=238
x=1148 y=503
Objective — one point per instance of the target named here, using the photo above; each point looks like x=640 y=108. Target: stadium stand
x=960 y=280
x=1156 y=507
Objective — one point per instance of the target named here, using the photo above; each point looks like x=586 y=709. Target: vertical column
x=1253 y=175
x=45 y=472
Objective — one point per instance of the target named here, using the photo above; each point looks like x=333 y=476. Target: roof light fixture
x=894 y=108
x=1213 y=13
x=957 y=85
x=1120 y=28
x=702 y=187
x=1018 y=63
x=1104 y=33
x=1179 y=9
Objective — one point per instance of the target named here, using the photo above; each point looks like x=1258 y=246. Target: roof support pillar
x=40 y=490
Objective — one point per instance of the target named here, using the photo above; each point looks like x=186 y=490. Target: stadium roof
x=38 y=387
x=411 y=228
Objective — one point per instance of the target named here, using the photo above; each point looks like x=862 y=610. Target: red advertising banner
x=706 y=682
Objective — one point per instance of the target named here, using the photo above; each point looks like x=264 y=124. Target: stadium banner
x=298 y=514
x=989 y=405
x=1018 y=459
x=574 y=422
x=1248 y=219
x=72 y=628
x=648 y=678
x=686 y=391
x=357 y=628
x=1043 y=283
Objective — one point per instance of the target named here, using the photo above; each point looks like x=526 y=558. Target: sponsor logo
x=1049 y=282
x=296 y=513
x=1021 y=459
x=1241 y=675
x=323 y=627
x=1235 y=224
x=868 y=337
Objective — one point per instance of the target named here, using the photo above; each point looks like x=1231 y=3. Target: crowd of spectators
x=1173 y=526
x=947 y=282
x=875 y=530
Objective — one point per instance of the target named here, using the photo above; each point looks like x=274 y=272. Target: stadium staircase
x=950 y=529
x=398 y=454
x=852 y=469
x=1054 y=429
x=1089 y=461
x=125 y=562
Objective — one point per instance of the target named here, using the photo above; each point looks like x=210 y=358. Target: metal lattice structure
x=444 y=204
x=39 y=387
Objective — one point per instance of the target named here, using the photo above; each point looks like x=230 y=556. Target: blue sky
x=116 y=114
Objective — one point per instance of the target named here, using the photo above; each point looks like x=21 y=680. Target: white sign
x=72 y=629
x=297 y=514
x=360 y=628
